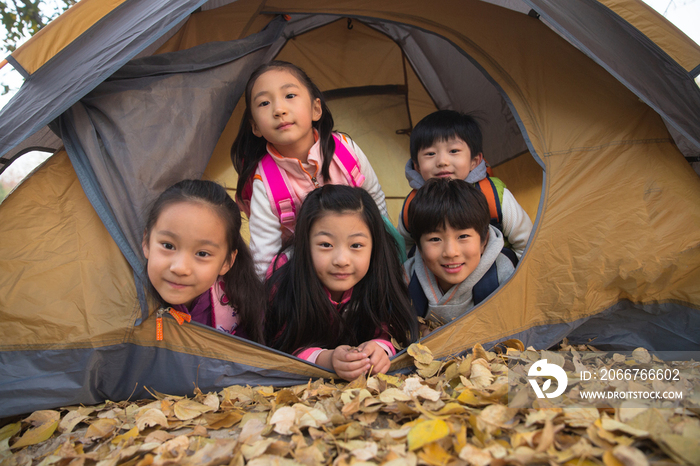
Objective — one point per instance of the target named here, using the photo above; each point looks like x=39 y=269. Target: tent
x=588 y=109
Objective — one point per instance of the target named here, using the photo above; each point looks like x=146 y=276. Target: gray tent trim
x=63 y=377
x=85 y=63
x=665 y=86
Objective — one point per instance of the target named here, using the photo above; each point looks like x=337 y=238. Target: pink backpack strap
x=223 y=316
x=348 y=163
x=279 y=192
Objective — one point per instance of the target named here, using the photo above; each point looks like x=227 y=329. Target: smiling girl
x=286 y=148
x=341 y=297
x=198 y=263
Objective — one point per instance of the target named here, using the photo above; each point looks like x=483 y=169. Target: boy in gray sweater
x=460 y=258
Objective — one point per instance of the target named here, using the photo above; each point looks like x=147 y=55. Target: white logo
x=543 y=369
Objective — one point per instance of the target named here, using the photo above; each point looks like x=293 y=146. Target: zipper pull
x=313 y=178
x=180 y=317
x=159 y=323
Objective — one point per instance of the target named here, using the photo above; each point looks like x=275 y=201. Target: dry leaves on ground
x=449 y=412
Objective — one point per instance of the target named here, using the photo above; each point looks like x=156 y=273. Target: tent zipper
x=180 y=317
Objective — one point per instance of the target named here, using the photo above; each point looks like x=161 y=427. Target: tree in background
x=23 y=18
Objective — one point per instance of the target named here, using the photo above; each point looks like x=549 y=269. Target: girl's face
x=341 y=248
x=186 y=251
x=283 y=112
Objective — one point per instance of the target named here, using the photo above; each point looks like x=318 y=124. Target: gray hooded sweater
x=445 y=307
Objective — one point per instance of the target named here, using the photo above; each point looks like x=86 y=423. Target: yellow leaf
x=389 y=379
x=435 y=455
x=469 y=397
x=10 y=430
x=581 y=462
x=283 y=420
x=427 y=432
x=189 y=409
x=101 y=428
x=126 y=436
x=38 y=434
x=420 y=353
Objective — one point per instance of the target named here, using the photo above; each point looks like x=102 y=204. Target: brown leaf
x=186 y=409
x=225 y=420
x=101 y=428
x=152 y=417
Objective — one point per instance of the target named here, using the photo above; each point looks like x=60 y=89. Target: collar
x=313 y=150
x=343 y=299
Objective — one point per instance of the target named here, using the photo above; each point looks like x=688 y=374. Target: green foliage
x=24 y=18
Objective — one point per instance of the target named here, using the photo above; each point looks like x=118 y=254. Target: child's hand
x=377 y=356
x=424 y=330
x=349 y=363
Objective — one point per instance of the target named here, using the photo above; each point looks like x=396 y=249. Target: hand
x=379 y=360
x=424 y=330
x=349 y=363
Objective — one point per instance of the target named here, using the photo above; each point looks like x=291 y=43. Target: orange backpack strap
x=489 y=190
x=404 y=209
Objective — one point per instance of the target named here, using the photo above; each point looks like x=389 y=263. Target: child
x=342 y=288
x=197 y=261
x=285 y=148
x=447 y=144
x=459 y=261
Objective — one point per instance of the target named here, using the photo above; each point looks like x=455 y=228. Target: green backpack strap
x=398 y=239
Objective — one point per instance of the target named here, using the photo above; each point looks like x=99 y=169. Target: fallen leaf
x=390 y=395
x=223 y=420
x=420 y=353
x=101 y=428
x=69 y=421
x=133 y=433
x=475 y=456
x=10 y=430
x=426 y=432
x=630 y=456
x=46 y=423
x=152 y=417
x=186 y=409
x=283 y=420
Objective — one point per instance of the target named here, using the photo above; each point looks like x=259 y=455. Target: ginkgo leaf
x=426 y=432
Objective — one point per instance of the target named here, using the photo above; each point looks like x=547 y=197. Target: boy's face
x=446 y=159
x=452 y=255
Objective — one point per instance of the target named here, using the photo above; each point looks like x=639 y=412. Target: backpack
x=279 y=191
x=481 y=290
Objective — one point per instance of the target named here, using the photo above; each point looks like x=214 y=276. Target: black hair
x=241 y=284
x=442 y=201
x=248 y=149
x=300 y=315
x=444 y=125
